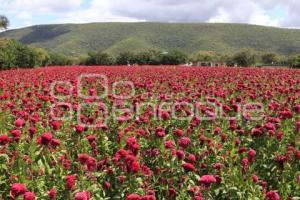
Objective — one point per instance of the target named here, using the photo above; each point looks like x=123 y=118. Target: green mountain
x=78 y=39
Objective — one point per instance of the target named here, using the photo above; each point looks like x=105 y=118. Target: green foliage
x=206 y=56
x=125 y=58
x=100 y=58
x=294 y=61
x=150 y=57
x=16 y=54
x=59 y=60
x=174 y=57
x=115 y=38
x=269 y=57
x=4 y=22
x=244 y=58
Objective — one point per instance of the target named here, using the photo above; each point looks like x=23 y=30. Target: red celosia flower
x=135 y=166
x=188 y=167
x=148 y=197
x=71 y=182
x=91 y=138
x=192 y=158
x=245 y=163
x=46 y=138
x=207 y=180
x=251 y=155
x=217 y=166
x=297 y=154
x=82 y=196
x=272 y=195
x=29 y=196
x=32 y=131
x=297 y=109
x=52 y=193
x=133 y=197
x=55 y=142
x=107 y=185
x=255 y=178
x=18 y=189
x=180 y=154
x=16 y=135
x=83 y=158
x=79 y=129
x=19 y=123
x=184 y=142
x=160 y=132
x=56 y=125
x=169 y=144
x=178 y=132
x=4 y=139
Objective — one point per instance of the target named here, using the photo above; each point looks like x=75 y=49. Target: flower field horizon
x=146 y=133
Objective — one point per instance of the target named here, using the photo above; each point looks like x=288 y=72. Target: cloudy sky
x=282 y=13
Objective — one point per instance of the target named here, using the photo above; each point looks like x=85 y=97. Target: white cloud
x=238 y=11
x=98 y=11
x=40 y=6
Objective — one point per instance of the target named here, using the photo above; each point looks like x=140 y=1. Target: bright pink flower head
x=184 y=142
x=4 y=139
x=19 y=123
x=71 y=182
x=297 y=109
x=188 y=167
x=16 y=134
x=29 y=196
x=52 y=193
x=207 y=180
x=46 y=138
x=169 y=144
x=82 y=196
x=272 y=195
x=79 y=129
x=55 y=142
x=91 y=138
x=135 y=166
x=251 y=155
x=160 y=132
x=180 y=154
x=18 y=189
x=56 y=125
x=178 y=132
x=149 y=197
x=255 y=178
x=83 y=158
x=133 y=197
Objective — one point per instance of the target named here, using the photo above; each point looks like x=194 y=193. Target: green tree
x=245 y=58
x=174 y=57
x=206 y=56
x=4 y=22
x=100 y=58
x=269 y=58
x=126 y=58
x=59 y=60
x=294 y=61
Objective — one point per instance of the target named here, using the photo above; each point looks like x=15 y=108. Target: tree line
x=15 y=54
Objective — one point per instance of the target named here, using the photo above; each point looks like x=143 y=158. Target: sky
x=280 y=13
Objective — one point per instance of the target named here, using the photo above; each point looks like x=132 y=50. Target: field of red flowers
x=145 y=133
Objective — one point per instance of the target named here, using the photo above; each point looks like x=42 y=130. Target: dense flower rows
x=92 y=154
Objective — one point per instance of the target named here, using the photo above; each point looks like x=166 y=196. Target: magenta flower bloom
x=207 y=180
